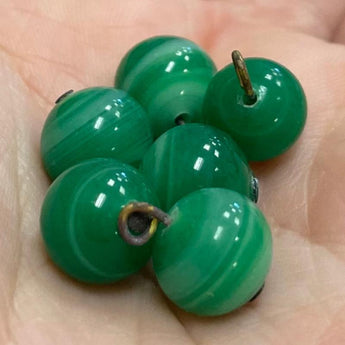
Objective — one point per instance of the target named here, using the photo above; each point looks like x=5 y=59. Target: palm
x=46 y=50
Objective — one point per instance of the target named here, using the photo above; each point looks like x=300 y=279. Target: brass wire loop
x=153 y=215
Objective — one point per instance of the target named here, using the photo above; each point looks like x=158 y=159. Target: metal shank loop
x=154 y=214
x=63 y=96
x=242 y=74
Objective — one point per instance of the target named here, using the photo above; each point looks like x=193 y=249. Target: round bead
x=79 y=220
x=95 y=122
x=168 y=76
x=195 y=156
x=269 y=126
x=215 y=255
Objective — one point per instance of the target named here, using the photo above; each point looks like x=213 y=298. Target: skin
x=49 y=47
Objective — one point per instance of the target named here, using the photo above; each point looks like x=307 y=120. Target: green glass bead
x=79 y=220
x=168 y=76
x=95 y=122
x=195 y=156
x=215 y=255
x=270 y=125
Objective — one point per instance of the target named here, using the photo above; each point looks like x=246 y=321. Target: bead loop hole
x=181 y=119
x=249 y=101
x=138 y=223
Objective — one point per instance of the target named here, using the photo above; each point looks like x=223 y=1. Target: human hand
x=49 y=47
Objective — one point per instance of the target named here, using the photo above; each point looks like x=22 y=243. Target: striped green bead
x=266 y=126
x=168 y=76
x=95 y=122
x=195 y=156
x=215 y=255
x=79 y=220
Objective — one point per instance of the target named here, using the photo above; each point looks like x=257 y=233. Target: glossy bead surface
x=79 y=220
x=95 y=122
x=215 y=255
x=273 y=123
x=168 y=76
x=195 y=156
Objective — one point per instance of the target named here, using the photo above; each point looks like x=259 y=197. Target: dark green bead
x=195 y=156
x=215 y=255
x=168 y=76
x=273 y=123
x=95 y=122
x=79 y=220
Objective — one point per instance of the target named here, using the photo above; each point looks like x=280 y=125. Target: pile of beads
x=169 y=144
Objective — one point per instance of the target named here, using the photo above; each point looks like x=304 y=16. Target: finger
x=317 y=18
x=21 y=186
x=69 y=46
x=301 y=303
x=287 y=182
x=339 y=34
